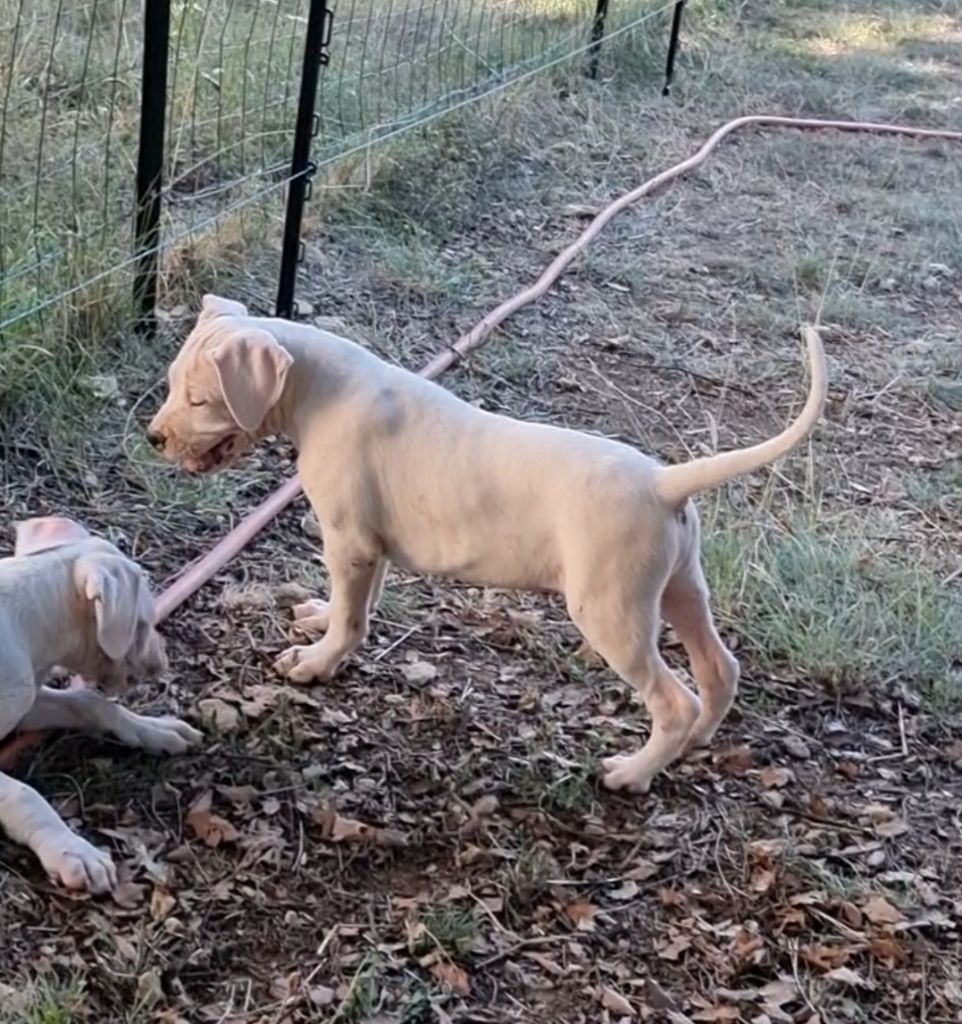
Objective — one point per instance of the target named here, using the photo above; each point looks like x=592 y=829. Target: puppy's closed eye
x=196 y=402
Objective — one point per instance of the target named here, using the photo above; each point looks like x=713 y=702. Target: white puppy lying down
x=72 y=600
x=399 y=469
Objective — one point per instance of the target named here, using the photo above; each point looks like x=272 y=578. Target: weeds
x=836 y=609
x=43 y=1001
x=448 y=929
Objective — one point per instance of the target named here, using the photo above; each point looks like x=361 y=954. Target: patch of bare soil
x=425 y=839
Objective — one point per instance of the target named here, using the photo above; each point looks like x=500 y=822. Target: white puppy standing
x=72 y=600
x=398 y=469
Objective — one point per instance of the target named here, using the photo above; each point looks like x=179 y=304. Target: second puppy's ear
x=45 y=532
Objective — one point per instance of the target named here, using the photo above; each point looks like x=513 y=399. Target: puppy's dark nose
x=154 y=439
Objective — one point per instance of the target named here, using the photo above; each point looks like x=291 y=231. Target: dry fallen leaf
x=161 y=903
x=628 y=890
x=826 y=958
x=259 y=699
x=762 y=880
x=419 y=671
x=150 y=991
x=582 y=914
x=879 y=911
x=846 y=976
x=876 y=813
x=717 y=1013
x=797 y=747
x=483 y=808
x=735 y=760
x=210 y=828
x=241 y=796
x=456 y=978
x=616 y=1002
x=672 y=950
x=677 y=1017
x=347 y=830
x=642 y=871
x=129 y=895
x=321 y=995
x=747 y=946
x=888 y=951
x=546 y=963
x=951 y=993
x=219 y=714
x=775 y=995
x=124 y=946
x=773 y=777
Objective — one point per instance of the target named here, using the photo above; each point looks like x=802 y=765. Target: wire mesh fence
x=400 y=62
x=71 y=94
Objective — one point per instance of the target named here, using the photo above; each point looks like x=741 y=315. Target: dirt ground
x=425 y=839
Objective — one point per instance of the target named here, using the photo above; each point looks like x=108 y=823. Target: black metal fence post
x=316 y=41
x=673 y=46
x=597 y=34
x=150 y=161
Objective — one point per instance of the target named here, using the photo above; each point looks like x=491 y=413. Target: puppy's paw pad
x=622 y=772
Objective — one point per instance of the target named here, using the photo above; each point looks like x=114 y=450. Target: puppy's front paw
x=164 y=735
x=305 y=664
x=625 y=772
x=75 y=864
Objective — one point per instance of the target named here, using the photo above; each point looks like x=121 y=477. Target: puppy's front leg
x=355 y=575
x=88 y=711
x=315 y=616
x=67 y=858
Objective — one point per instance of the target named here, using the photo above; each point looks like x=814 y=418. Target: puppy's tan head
x=222 y=384
x=113 y=608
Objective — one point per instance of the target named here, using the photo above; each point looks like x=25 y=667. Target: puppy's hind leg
x=685 y=607
x=28 y=819
x=624 y=631
x=67 y=858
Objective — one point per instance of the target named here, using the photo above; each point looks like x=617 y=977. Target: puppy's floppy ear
x=45 y=532
x=214 y=305
x=251 y=370
x=121 y=598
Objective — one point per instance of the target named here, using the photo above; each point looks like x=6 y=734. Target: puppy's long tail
x=676 y=484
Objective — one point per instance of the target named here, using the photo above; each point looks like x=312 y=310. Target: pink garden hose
x=199 y=572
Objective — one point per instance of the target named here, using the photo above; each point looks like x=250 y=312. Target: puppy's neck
x=319 y=377
x=39 y=600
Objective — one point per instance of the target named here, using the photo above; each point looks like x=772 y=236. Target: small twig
x=902 y=736
x=547 y=940
x=798 y=981
x=497 y=924
x=841 y=826
x=849 y=933
x=397 y=643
